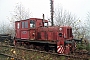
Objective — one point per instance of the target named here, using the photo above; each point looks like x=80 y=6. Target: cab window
x=25 y=24
x=32 y=24
x=22 y=24
x=18 y=25
x=45 y=24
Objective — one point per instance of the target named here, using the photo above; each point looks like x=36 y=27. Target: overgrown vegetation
x=29 y=55
x=88 y=47
x=81 y=46
x=85 y=45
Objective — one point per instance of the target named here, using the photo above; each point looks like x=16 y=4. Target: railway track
x=10 y=56
x=75 y=56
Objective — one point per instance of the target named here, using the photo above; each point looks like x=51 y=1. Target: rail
x=55 y=54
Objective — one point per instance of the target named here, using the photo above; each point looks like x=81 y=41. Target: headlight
x=60 y=29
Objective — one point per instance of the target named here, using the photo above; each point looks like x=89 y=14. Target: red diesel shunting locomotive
x=35 y=33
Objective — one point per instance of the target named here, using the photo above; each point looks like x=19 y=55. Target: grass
x=29 y=55
x=2 y=57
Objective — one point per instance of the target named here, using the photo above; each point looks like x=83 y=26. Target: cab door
x=24 y=29
x=17 y=29
x=32 y=30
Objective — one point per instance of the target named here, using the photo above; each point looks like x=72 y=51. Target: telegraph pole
x=52 y=11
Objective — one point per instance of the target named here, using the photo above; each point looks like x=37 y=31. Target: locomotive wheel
x=46 y=48
x=52 y=49
x=31 y=46
x=26 y=45
x=41 y=48
x=18 y=44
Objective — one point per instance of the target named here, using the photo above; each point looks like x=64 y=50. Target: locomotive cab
x=26 y=29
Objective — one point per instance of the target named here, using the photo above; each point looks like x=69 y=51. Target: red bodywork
x=35 y=29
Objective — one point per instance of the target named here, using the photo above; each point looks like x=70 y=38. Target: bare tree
x=3 y=28
x=19 y=14
x=88 y=21
x=88 y=25
x=65 y=18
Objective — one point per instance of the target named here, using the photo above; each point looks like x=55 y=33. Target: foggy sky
x=38 y=7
